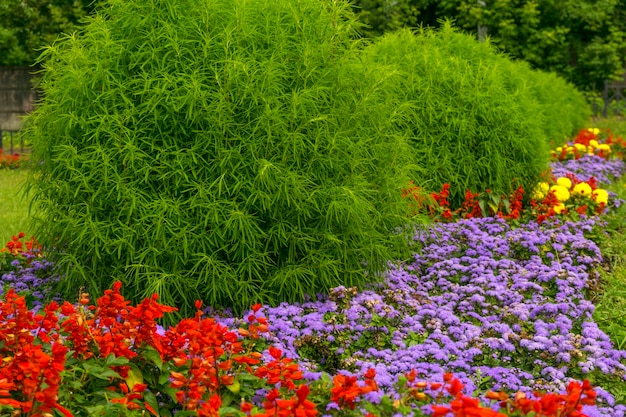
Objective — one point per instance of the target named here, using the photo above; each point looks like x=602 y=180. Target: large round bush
x=234 y=151
x=475 y=123
x=565 y=108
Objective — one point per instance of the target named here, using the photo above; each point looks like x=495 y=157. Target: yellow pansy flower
x=601 y=196
x=565 y=182
x=560 y=192
x=582 y=188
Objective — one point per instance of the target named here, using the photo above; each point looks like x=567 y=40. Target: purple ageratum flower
x=479 y=298
x=34 y=276
x=589 y=166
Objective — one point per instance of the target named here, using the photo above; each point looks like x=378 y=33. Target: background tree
x=28 y=25
x=583 y=41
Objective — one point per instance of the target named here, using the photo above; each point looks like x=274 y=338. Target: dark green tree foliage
x=233 y=151
x=26 y=26
x=583 y=41
x=475 y=123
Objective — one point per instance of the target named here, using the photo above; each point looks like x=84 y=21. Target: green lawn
x=14 y=217
x=610 y=313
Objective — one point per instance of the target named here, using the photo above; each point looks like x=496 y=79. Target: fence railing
x=611 y=101
x=17 y=98
x=11 y=142
x=613 y=97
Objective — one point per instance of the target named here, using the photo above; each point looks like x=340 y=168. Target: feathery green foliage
x=233 y=151
x=564 y=107
x=475 y=123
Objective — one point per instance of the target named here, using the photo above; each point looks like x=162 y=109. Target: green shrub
x=565 y=109
x=475 y=123
x=234 y=151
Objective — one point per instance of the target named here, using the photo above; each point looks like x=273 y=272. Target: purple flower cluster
x=34 y=276
x=500 y=307
x=588 y=166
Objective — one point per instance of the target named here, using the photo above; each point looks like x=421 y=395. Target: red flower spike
x=410 y=376
x=245 y=407
x=370 y=374
x=455 y=387
x=439 y=411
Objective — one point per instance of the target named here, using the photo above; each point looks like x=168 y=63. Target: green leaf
x=134 y=377
x=102 y=373
x=163 y=378
x=234 y=387
x=229 y=411
x=151 y=399
x=151 y=353
x=112 y=360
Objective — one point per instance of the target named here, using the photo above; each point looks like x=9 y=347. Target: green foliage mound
x=565 y=108
x=233 y=151
x=475 y=123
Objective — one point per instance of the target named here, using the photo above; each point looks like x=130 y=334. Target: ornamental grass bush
x=474 y=121
x=564 y=107
x=228 y=151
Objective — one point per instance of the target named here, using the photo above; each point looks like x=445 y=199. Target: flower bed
x=489 y=318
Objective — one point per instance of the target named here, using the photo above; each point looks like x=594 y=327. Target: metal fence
x=611 y=101
x=613 y=98
x=17 y=98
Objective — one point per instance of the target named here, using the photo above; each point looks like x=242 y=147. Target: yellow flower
x=540 y=191
x=565 y=182
x=604 y=147
x=560 y=192
x=559 y=149
x=580 y=147
x=582 y=188
x=558 y=209
x=593 y=143
x=601 y=196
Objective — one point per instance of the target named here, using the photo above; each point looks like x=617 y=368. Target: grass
x=616 y=123
x=14 y=216
x=610 y=313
